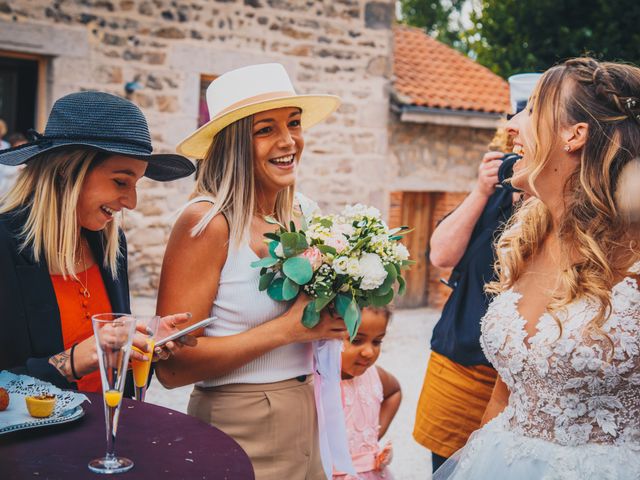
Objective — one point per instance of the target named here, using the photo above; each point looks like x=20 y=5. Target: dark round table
x=161 y=442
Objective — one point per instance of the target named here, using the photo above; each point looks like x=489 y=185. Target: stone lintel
x=44 y=39
x=435 y=116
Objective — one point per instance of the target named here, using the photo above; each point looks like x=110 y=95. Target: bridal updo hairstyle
x=606 y=96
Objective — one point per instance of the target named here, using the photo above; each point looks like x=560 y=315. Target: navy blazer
x=30 y=327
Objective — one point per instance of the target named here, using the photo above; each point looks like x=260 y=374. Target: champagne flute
x=114 y=335
x=141 y=368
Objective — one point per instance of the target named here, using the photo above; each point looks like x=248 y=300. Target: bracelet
x=73 y=369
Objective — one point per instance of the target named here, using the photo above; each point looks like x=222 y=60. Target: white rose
x=372 y=271
x=341 y=229
x=353 y=268
x=340 y=265
x=401 y=252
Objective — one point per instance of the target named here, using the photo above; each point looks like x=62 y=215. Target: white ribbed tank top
x=240 y=306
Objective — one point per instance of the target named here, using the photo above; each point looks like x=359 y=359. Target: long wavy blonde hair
x=227 y=175
x=592 y=229
x=47 y=189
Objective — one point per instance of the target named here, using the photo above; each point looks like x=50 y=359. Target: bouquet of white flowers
x=351 y=259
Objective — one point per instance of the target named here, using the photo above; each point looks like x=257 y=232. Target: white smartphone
x=189 y=329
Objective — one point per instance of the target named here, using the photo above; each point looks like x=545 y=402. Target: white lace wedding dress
x=574 y=409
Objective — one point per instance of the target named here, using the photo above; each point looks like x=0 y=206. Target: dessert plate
x=16 y=417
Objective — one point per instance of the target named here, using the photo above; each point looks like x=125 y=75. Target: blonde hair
x=48 y=189
x=227 y=175
x=592 y=229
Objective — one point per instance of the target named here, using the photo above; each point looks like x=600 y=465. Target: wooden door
x=414 y=210
x=422 y=211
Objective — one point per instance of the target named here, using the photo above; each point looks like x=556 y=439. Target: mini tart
x=41 y=406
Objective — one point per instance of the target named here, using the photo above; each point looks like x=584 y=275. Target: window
x=22 y=91
x=203 y=111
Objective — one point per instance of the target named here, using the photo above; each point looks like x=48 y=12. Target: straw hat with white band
x=249 y=90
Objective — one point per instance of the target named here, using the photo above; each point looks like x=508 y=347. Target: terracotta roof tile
x=432 y=74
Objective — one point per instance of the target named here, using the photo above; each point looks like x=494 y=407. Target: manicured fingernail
x=149 y=331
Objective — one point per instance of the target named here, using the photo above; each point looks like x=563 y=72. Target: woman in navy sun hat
x=63 y=256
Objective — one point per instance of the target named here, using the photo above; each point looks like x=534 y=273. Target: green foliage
x=265 y=262
x=265 y=280
x=440 y=19
x=311 y=315
x=293 y=243
x=289 y=289
x=348 y=309
x=515 y=36
x=275 y=290
x=298 y=269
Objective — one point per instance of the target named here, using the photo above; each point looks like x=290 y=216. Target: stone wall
x=341 y=47
x=427 y=157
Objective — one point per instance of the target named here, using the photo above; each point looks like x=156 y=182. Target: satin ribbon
x=334 y=446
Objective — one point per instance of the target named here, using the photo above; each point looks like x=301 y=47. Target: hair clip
x=631 y=103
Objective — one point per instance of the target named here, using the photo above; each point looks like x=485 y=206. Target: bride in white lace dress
x=564 y=328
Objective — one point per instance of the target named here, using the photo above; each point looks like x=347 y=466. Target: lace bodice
x=568 y=386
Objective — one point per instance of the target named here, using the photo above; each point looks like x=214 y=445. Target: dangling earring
x=567 y=148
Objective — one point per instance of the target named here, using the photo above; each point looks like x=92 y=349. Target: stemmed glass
x=114 y=334
x=141 y=368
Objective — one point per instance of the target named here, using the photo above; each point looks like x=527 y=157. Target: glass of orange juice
x=141 y=368
x=114 y=336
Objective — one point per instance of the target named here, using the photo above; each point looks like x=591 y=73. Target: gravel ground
x=404 y=353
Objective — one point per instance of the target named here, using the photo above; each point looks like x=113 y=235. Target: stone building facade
x=445 y=109
x=170 y=48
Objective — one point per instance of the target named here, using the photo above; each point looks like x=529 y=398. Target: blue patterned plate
x=16 y=417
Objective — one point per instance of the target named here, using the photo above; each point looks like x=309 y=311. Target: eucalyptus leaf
x=310 y=317
x=272 y=248
x=289 y=289
x=402 y=285
x=265 y=280
x=292 y=226
x=322 y=302
x=293 y=243
x=352 y=318
x=264 y=262
x=342 y=302
x=388 y=281
x=275 y=290
x=272 y=236
x=298 y=269
x=325 y=222
x=382 y=300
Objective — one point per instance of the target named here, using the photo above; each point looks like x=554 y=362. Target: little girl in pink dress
x=370 y=398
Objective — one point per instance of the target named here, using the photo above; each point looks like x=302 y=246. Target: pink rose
x=314 y=256
x=338 y=242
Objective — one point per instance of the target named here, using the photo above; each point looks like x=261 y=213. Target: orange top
x=76 y=308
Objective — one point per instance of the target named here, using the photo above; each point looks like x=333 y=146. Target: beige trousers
x=275 y=423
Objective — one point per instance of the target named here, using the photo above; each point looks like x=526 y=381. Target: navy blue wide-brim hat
x=103 y=122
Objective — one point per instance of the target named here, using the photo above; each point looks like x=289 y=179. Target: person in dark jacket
x=63 y=257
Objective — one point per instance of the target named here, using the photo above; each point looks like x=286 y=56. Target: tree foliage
x=440 y=19
x=514 y=36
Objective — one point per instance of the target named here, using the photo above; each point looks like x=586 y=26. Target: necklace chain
x=84 y=291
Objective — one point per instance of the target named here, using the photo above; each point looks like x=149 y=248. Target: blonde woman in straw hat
x=252 y=368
